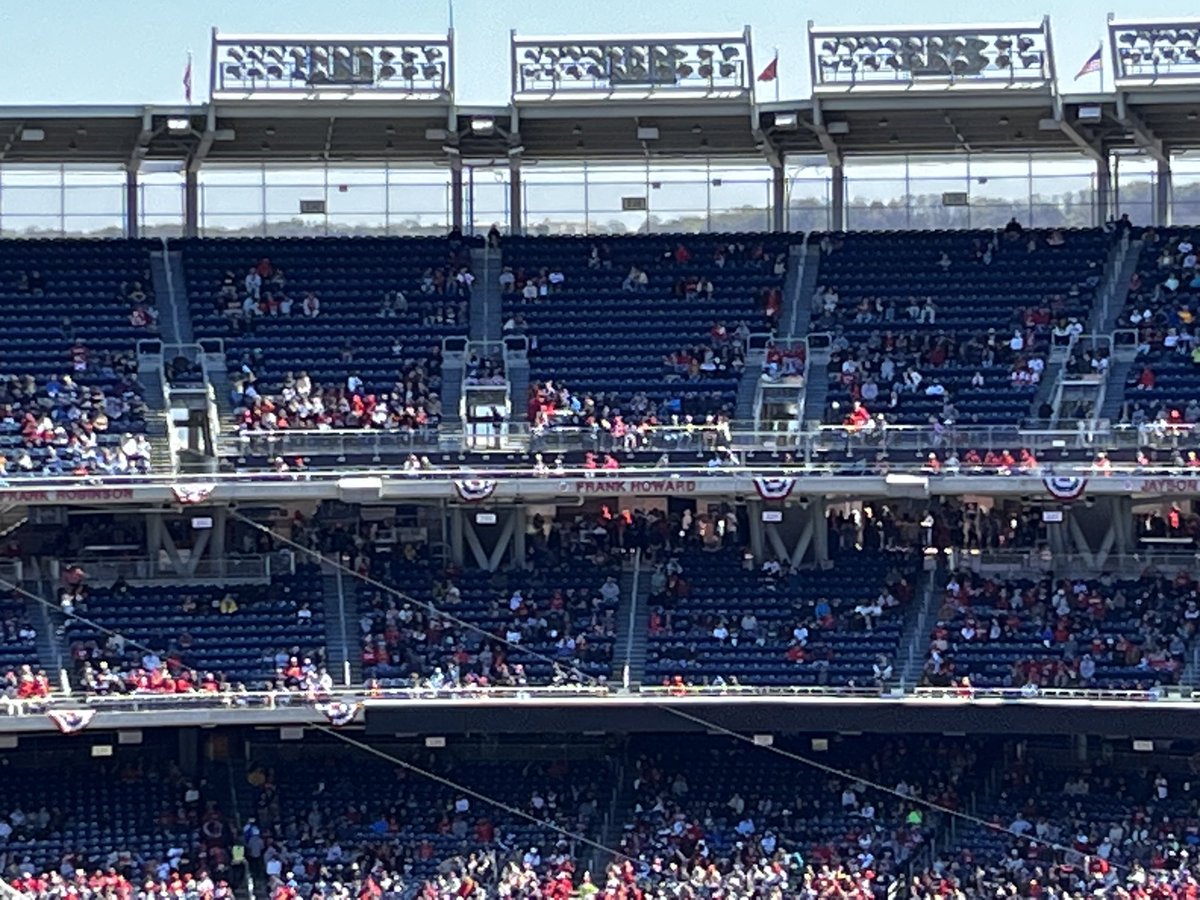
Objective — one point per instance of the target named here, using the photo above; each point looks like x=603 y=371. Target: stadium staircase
x=804 y=265
x=615 y=816
x=633 y=623
x=915 y=643
x=453 y=369
x=170 y=287
x=1123 y=355
x=341 y=623
x=486 y=302
x=747 y=392
x=49 y=645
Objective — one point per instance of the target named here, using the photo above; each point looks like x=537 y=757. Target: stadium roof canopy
x=877 y=91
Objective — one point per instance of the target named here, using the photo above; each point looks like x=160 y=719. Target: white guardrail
x=235 y=702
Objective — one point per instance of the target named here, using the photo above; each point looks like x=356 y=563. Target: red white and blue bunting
x=1065 y=487
x=339 y=714
x=71 y=721
x=475 y=490
x=774 y=488
x=192 y=493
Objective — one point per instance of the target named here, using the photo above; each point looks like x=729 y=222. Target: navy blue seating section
x=1171 y=320
x=607 y=343
x=241 y=645
x=82 y=282
x=80 y=299
x=1110 y=798
x=699 y=782
x=485 y=603
x=971 y=301
x=1136 y=642
x=95 y=812
x=720 y=590
x=350 y=277
x=393 y=807
x=14 y=651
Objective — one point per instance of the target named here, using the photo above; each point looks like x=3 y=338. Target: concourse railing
x=810 y=445
x=235 y=702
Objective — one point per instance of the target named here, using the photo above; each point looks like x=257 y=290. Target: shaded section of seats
x=1097 y=632
x=556 y=612
x=183 y=625
x=418 y=824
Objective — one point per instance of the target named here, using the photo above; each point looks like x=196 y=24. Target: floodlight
x=179 y=124
x=483 y=126
x=786 y=121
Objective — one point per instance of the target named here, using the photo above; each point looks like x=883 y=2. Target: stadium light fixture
x=179 y=125
x=999 y=54
x=483 y=126
x=413 y=67
x=1156 y=51
x=660 y=65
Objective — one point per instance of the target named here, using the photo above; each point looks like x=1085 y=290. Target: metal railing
x=808 y=444
x=143 y=569
x=234 y=702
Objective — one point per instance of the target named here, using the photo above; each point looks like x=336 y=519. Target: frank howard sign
x=609 y=487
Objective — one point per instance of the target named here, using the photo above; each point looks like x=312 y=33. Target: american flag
x=1094 y=63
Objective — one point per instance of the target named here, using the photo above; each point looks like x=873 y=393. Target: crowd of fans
x=1161 y=307
x=412 y=405
x=61 y=427
x=888 y=362
x=441 y=297
x=1063 y=633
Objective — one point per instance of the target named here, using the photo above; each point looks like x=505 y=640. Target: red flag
x=187 y=80
x=771 y=72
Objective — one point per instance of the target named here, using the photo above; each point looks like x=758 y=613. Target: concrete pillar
x=837 y=196
x=456 y=193
x=520 y=530
x=778 y=199
x=754 y=510
x=131 y=203
x=1104 y=189
x=456 y=534
x=516 y=197
x=820 y=542
x=1163 y=191
x=191 y=204
x=216 y=546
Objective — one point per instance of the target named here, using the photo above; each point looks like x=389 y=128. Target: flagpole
x=776 y=74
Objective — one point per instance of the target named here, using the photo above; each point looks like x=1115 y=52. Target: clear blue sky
x=133 y=51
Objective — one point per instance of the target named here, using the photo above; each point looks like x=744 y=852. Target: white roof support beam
x=828 y=144
x=1145 y=138
x=1090 y=149
x=206 y=141
x=12 y=139
x=143 y=142
x=328 y=139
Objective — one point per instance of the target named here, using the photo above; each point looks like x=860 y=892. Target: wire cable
x=470 y=792
x=672 y=710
